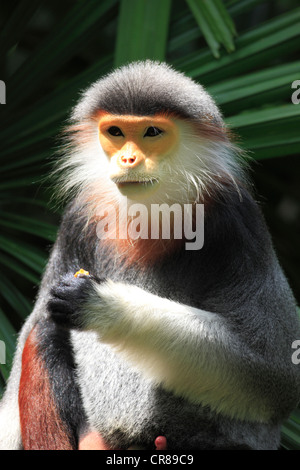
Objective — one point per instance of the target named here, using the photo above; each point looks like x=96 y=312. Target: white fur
x=10 y=435
x=188 y=351
x=198 y=167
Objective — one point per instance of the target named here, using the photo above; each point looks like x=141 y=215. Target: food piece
x=81 y=273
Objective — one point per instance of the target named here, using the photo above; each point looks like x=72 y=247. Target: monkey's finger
x=66 y=293
x=70 y=280
x=59 y=306
x=63 y=314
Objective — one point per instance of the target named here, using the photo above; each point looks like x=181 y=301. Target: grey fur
x=234 y=282
x=145 y=88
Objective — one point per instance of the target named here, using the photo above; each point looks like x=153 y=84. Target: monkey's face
x=174 y=149
x=136 y=147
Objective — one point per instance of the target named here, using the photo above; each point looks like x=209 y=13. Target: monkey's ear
x=67 y=298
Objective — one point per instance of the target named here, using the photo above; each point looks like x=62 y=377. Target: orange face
x=136 y=146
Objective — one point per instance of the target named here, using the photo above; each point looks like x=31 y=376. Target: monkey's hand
x=67 y=298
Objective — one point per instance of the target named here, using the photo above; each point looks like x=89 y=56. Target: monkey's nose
x=128 y=161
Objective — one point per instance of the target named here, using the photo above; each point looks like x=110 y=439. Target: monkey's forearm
x=189 y=351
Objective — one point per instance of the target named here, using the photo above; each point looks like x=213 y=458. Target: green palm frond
x=215 y=23
x=137 y=37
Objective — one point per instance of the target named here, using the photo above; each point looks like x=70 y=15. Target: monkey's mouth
x=130 y=182
x=136 y=187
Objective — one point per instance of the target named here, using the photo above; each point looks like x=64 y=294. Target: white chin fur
x=197 y=169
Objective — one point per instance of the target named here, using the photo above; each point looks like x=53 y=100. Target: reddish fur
x=41 y=426
x=142 y=251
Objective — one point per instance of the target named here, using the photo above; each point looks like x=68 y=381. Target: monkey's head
x=151 y=134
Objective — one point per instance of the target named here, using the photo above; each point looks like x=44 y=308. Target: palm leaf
x=16 y=24
x=270 y=132
x=253 y=48
x=215 y=24
x=70 y=33
x=247 y=91
x=142 y=30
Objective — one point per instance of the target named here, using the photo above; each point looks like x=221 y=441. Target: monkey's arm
x=192 y=352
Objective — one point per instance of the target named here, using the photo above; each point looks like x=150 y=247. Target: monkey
x=140 y=342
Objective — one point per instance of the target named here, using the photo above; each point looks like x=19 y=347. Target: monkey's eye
x=152 y=132
x=115 y=131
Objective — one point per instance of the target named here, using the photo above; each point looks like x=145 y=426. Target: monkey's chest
x=126 y=407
